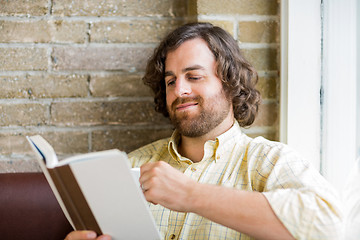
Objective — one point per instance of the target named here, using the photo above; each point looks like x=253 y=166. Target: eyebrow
x=191 y=68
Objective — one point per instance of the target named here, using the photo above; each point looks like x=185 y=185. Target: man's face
x=195 y=98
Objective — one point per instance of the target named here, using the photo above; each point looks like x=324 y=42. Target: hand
x=164 y=185
x=82 y=235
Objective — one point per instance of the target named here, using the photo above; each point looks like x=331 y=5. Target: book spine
x=73 y=199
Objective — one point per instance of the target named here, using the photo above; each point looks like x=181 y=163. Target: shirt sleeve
x=307 y=205
x=149 y=153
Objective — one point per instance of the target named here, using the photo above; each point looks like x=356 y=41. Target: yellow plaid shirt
x=304 y=202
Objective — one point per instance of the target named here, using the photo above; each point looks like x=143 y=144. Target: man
x=209 y=180
x=351 y=197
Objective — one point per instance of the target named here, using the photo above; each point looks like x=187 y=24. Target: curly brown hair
x=236 y=73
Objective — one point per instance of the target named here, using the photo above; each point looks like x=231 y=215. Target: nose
x=182 y=87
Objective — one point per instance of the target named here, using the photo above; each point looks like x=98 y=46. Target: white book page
x=35 y=142
x=87 y=156
x=115 y=197
x=43 y=150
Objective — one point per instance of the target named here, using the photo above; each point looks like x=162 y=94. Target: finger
x=154 y=168
x=146 y=172
x=146 y=184
x=149 y=196
x=104 y=237
x=143 y=187
x=81 y=235
x=153 y=173
x=146 y=167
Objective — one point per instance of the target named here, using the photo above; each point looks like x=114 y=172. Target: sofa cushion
x=29 y=209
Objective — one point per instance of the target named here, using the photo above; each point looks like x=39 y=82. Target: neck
x=193 y=147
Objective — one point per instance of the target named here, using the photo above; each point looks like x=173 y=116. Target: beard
x=212 y=112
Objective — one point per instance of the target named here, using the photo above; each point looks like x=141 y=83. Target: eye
x=170 y=82
x=194 y=78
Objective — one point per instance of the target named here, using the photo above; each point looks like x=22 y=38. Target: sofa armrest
x=29 y=209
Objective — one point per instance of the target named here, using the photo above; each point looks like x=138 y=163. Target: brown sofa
x=29 y=210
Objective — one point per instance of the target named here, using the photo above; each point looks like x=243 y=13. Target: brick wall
x=70 y=70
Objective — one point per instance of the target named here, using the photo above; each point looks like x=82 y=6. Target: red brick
x=24 y=31
x=44 y=86
x=23 y=7
x=101 y=58
x=139 y=31
x=63 y=142
x=23 y=114
x=263 y=59
x=105 y=113
x=68 y=31
x=18 y=164
x=269 y=87
x=42 y=31
x=127 y=140
x=226 y=25
x=243 y=7
x=259 y=32
x=127 y=85
x=119 y=8
x=13 y=143
x=268 y=115
x=23 y=59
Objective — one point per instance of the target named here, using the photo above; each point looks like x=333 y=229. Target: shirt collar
x=173 y=146
x=211 y=146
x=229 y=135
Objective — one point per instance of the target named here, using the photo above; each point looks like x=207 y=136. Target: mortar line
x=76 y=45
x=55 y=128
x=70 y=72
x=50 y=4
x=74 y=100
x=238 y=17
x=129 y=19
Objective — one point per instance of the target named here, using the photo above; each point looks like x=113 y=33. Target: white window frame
x=358 y=80
x=328 y=139
x=339 y=82
x=301 y=77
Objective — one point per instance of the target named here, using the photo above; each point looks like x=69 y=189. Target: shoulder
x=268 y=148
x=149 y=152
x=267 y=157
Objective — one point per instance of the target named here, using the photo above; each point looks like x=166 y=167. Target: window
x=301 y=77
x=339 y=115
x=320 y=102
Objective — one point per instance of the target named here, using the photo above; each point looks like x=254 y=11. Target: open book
x=98 y=191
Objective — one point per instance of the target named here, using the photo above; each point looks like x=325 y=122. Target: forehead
x=191 y=52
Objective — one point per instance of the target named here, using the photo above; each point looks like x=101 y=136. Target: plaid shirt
x=300 y=197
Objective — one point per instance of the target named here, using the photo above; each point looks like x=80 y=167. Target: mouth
x=185 y=106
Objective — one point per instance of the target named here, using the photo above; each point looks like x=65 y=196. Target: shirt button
x=193 y=169
x=218 y=157
x=172 y=236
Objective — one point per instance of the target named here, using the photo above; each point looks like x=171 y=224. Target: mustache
x=183 y=100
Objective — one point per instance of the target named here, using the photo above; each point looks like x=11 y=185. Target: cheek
x=169 y=99
x=209 y=92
